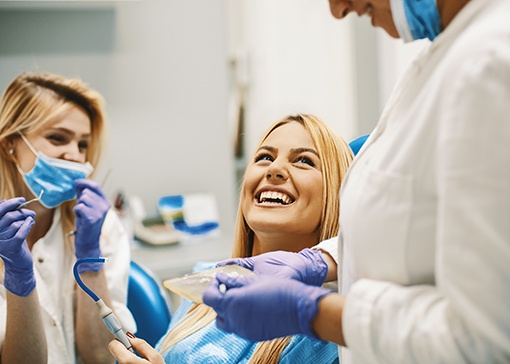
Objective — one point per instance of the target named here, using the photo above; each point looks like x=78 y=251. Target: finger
x=25 y=228
x=88 y=184
x=27 y=212
x=11 y=204
x=147 y=351
x=225 y=262
x=123 y=355
x=232 y=282
x=93 y=199
x=212 y=295
x=80 y=210
x=10 y=218
x=12 y=229
x=242 y=262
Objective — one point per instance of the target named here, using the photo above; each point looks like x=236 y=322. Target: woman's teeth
x=274 y=197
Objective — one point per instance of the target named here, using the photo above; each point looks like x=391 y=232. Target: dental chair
x=357 y=143
x=148 y=304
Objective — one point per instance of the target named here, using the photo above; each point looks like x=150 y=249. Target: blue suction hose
x=106 y=313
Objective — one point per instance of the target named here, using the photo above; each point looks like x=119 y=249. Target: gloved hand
x=90 y=211
x=14 y=228
x=263 y=307
x=307 y=266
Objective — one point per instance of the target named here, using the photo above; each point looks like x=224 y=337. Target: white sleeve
x=3 y=315
x=330 y=246
x=115 y=246
x=465 y=316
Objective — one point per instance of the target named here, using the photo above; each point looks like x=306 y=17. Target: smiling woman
x=288 y=201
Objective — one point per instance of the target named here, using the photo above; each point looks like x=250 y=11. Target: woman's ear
x=8 y=147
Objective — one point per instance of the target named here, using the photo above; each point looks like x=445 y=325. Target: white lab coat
x=55 y=285
x=425 y=222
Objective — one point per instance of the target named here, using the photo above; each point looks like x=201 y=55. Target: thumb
x=147 y=351
x=25 y=228
x=242 y=262
x=231 y=281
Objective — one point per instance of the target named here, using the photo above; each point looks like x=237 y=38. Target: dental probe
x=24 y=204
x=105 y=312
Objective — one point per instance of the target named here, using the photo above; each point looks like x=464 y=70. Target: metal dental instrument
x=106 y=313
x=26 y=203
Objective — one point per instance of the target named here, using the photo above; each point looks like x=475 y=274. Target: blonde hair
x=31 y=102
x=336 y=157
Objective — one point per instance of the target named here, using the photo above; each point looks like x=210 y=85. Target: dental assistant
x=424 y=244
x=51 y=135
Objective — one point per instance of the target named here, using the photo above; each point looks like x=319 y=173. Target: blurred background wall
x=191 y=85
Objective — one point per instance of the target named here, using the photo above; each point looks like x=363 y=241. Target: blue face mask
x=53 y=176
x=416 y=19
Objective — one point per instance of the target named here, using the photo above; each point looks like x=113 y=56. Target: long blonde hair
x=31 y=102
x=336 y=156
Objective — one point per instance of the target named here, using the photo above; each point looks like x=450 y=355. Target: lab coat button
x=40 y=260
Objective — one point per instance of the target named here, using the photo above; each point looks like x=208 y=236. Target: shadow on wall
x=46 y=31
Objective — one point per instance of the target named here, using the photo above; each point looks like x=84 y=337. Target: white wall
x=162 y=68
x=296 y=59
x=293 y=56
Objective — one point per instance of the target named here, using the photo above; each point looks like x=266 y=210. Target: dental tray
x=192 y=286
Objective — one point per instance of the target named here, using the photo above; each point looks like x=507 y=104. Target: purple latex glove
x=307 y=266
x=263 y=307
x=90 y=211
x=14 y=228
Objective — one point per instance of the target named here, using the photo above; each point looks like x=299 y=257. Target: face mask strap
x=400 y=20
x=29 y=145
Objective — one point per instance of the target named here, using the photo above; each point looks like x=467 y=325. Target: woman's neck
x=266 y=242
x=43 y=220
x=448 y=9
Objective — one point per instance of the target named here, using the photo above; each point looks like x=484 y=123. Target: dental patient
x=289 y=201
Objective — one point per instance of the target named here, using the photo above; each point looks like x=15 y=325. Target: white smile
x=272 y=197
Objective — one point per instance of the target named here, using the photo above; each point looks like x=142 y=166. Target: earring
x=11 y=151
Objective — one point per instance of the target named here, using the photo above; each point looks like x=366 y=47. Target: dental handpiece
x=113 y=324
x=110 y=320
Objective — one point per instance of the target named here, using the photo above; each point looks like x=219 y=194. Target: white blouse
x=425 y=222
x=53 y=266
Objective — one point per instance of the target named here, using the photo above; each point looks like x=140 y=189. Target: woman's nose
x=73 y=154
x=340 y=8
x=276 y=171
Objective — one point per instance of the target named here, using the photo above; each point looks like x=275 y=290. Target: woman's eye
x=57 y=139
x=83 y=145
x=305 y=160
x=263 y=157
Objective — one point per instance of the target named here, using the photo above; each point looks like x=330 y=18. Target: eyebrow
x=292 y=151
x=68 y=131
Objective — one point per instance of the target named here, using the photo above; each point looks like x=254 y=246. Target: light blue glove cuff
x=90 y=267
x=317 y=271
x=20 y=282
x=91 y=253
x=308 y=307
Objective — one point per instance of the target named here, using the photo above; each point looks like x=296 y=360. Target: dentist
x=51 y=135
x=424 y=244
